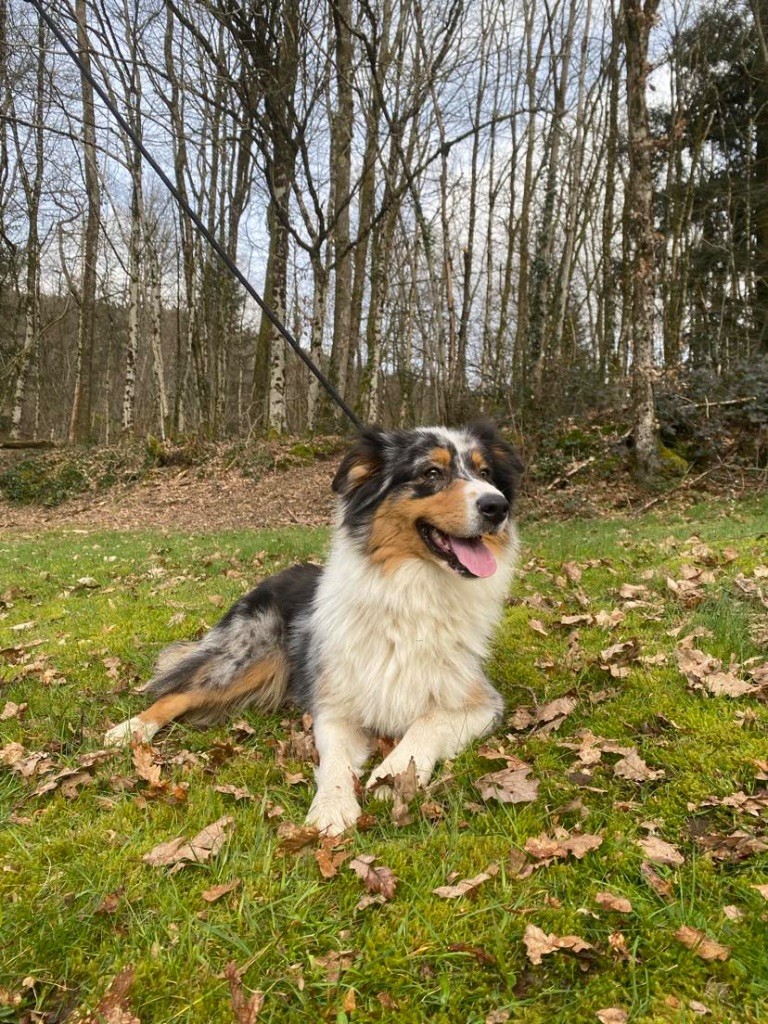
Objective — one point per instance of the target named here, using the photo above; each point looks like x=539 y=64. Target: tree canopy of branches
x=526 y=210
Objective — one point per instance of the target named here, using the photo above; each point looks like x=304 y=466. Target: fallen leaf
x=737 y=846
x=405 y=786
x=508 y=786
x=631 y=591
x=700 y=943
x=113 y=1007
x=246 y=1011
x=563 y=706
x=538 y=627
x=521 y=719
x=200 y=848
x=144 y=764
x=237 y=792
x=634 y=768
x=217 y=891
x=295 y=837
x=660 y=852
x=612 y=1015
x=762 y=889
x=705 y=672
x=577 y=845
x=608 y=901
x=618 y=943
x=376 y=879
x=539 y=944
x=490 y=753
x=335 y=962
x=12 y=710
x=659 y=885
x=467 y=886
x=696 y=1007
x=330 y=857
x=110 y=902
x=350 y=1001
x=609 y=620
x=732 y=912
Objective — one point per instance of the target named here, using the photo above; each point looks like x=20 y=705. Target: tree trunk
x=341 y=172
x=33 y=186
x=639 y=17
x=81 y=420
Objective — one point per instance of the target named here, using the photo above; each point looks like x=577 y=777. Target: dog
x=389 y=638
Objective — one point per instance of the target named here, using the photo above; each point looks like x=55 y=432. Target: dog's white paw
x=332 y=815
x=132 y=730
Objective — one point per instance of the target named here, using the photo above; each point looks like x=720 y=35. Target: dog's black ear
x=506 y=467
x=362 y=464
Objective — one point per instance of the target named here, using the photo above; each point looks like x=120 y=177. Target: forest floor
x=603 y=857
x=204 y=488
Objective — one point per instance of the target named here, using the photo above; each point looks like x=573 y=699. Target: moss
x=672 y=465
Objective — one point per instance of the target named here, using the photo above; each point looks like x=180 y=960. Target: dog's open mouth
x=468 y=556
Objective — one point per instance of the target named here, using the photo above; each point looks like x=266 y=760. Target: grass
x=447 y=961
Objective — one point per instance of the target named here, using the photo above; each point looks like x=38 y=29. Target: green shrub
x=35 y=482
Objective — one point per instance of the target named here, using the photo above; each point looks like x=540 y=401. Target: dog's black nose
x=493 y=507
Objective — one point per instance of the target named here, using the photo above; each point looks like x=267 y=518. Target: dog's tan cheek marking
x=394 y=538
x=447 y=510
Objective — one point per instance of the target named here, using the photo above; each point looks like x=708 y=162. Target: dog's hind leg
x=205 y=693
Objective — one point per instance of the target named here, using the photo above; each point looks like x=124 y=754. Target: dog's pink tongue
x=474 y=555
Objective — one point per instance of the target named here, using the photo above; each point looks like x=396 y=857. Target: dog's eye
x=433 y=473
x=484 y=473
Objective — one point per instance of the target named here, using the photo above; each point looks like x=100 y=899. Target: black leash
x=196 y=220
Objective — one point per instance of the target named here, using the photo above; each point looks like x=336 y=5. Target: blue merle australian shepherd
x=389 y=638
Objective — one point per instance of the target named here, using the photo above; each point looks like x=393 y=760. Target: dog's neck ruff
x=397 y=643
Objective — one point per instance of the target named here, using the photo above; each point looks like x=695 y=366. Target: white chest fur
x=391 y=647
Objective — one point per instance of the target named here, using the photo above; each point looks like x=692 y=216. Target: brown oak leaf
x=246 y=1011
x=217 y=891
x=609 y=901
x=700 y=943
x=375 y=878
x=467 y=886
x=508 y=786
x=660 y=852
x=539 y=944
x=199 y=848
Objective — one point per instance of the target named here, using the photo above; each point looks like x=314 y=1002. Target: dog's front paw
x=332 y=815
x=132 y=730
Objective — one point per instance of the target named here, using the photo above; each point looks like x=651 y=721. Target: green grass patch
x=95 y=610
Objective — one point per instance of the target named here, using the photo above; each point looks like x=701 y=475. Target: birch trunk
x=81 y=420
x=639 y=17
x=32 y=186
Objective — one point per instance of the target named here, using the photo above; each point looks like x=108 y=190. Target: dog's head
x=433 y=494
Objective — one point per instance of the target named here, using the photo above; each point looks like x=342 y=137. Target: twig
x=673 y=490
x=571 y=472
